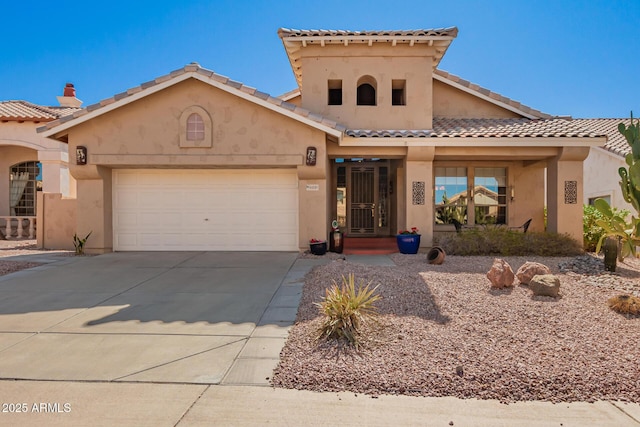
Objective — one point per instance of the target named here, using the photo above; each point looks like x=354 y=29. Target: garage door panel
x=205 y=210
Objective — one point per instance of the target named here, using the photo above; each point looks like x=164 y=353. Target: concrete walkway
x=190 y=339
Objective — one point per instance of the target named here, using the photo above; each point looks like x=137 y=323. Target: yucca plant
x=346 y=308
x=79 y=243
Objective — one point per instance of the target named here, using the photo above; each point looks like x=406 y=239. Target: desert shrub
x=346 y=308
x=625 y=304
x=591 y=230
x=505 y=242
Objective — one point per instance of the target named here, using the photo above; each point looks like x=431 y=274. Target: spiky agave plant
x=346 y=308
x=625 y=304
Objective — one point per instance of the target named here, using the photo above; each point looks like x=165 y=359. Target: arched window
x=195 y=127
x=366 y=93
x=24 y=181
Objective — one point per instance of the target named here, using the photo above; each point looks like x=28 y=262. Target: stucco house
x=601 y=179
x=31 y=163
x=374 y=136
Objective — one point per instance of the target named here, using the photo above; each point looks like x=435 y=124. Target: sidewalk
x=189 y=405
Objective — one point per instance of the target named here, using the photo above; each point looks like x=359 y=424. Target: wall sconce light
x=513 y=193
x=81 y=155
x=311 y=156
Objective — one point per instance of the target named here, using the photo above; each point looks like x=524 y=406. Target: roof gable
x=193 y=71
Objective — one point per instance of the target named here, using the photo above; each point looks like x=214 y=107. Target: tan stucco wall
x=454 y=103
x=56 y=221
x=145 y=133
x=601 y=177
x=384 y=64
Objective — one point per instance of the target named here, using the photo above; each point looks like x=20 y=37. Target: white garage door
x=230 y=210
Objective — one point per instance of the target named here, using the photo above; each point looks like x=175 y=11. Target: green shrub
x=346 y=308
x=505 y=242
x=592 y=231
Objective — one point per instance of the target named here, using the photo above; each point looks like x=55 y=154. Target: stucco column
x=55 y=171
x=313 y=205
x=565 y=189
x=419 y=192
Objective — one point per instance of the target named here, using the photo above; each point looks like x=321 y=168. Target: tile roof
x=492 y=96
x=616 y=142
x=195 y=70
x=28 y=112
x=451 y=32
x=295 y=40
x=488 y=128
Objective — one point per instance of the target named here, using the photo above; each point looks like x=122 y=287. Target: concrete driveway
x=170 y=317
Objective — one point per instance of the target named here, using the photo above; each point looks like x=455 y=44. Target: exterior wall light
x=81 y=155
x=312 y=154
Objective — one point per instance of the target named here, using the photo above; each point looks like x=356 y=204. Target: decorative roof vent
x=68 y=98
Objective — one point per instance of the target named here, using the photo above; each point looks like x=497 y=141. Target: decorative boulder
x=501 y=275
x=545 y=285
x=529 y=269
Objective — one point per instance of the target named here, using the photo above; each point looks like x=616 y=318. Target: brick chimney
x=68 y=98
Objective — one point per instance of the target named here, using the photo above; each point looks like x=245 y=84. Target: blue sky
x=578 y=58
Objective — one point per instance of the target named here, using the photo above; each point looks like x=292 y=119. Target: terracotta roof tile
x=27 y=111
x=488 y=128
x=436 y=32
x=493 y=95
x=616 y=142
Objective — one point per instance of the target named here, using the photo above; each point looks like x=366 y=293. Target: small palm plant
x=346 y=308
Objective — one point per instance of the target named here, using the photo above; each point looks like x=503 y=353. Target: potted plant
x=318 y=247
x=408 y=241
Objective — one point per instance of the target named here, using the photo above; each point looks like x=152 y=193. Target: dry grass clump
x=625 y=304
x=346 y=308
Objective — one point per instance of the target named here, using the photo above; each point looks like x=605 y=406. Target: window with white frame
x=195 y=127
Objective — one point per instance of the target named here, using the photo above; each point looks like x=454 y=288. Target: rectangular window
x=398 y=95
x=455 y=198
x=335 y=92
x=490 y=195
x=451 y=195
x=605 y=198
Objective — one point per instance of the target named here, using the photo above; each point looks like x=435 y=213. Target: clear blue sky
x=578 y=58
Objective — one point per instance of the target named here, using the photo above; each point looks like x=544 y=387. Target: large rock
x=501 y=275
x=529 y=269
x=545 y=285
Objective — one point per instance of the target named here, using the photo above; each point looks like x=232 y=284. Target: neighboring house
x=373 y=135
x=29 y=162
x=601 y=179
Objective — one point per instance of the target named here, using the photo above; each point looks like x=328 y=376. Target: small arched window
x=366 y=93
x=195 y=127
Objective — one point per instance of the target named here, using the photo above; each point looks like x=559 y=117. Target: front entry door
x=368 y=199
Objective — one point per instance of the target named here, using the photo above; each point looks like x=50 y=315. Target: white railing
x=18 y=227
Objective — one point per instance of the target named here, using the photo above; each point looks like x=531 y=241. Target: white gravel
x=443 y=332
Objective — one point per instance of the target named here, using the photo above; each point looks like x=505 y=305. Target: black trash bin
x=336 y=242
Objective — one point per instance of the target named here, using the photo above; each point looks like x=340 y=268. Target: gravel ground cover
x=443 y=332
